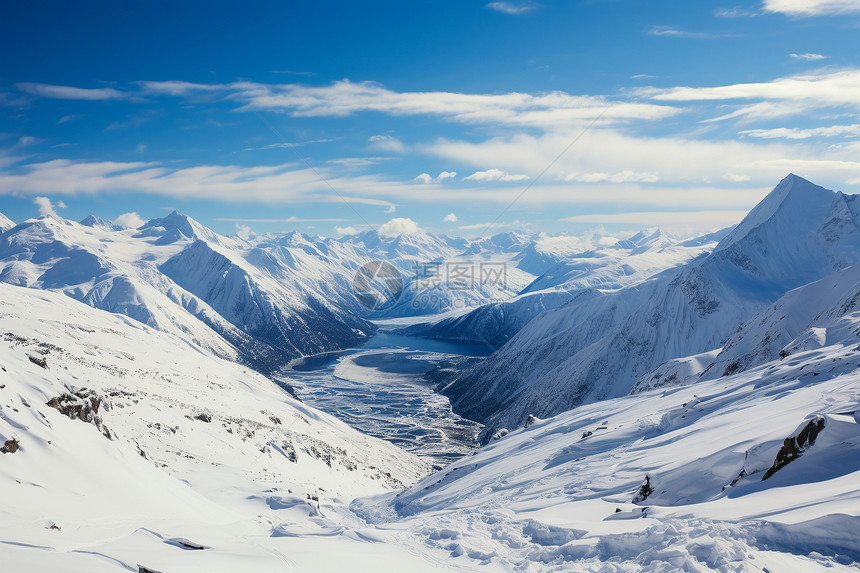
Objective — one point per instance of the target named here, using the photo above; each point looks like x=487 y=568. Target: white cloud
x=678 y=162
x=344 y=98
x=427 y=178
x=808 y=57
x=132 y=220
x=620 y=177
x=398 y=226
x=292 y=219
x=346 y=230
x=511 y=8
x=791 y=95
x=721 y=218
x=450 y=218
x=812 y=7
x=495 y=175
x=735 y=178
x=798 y=133
x=678 y=33
x=179 y=88
x=67 y=92
x=390 y=209
x=46 y=209
x=488 y=225
x=28 y=140
x=386 y=143
x=243 y=231
x=736 y=12
x=282 y=183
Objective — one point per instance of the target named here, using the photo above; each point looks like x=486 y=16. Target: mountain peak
x=5 y=223
x=175 y=227
x=793 y=199
x=96 y=221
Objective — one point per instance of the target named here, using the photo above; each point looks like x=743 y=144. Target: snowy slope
x=203 y=452
x=559 y=494
x=596 y=347
x=5 y=223
x=159 y=442
x=806 y=318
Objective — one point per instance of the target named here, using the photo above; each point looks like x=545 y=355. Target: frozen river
x=380 y=390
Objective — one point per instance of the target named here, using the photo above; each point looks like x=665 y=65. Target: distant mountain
x=596 y=346
x=94 y=221
x=177 y=276
x=574 y=277
x=5 y=223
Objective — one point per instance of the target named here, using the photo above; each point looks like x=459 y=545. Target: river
x=379 y=389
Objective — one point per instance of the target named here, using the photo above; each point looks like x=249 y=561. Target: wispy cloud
x=791 y=95
x=812 y=7
x=513 y=8
x=619 y=177
x=798 y=133
x=290 y=144
x=68 y=92
x=737 y=12
x=679 y=33
x=345 y=98
x=487 y=225
x=696 y=218
x=68 y=118
x=282 y=220
x=808 y=57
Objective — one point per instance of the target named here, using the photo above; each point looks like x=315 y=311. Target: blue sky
x=445 y=116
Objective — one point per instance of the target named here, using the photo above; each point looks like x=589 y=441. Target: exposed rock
x=793 y=446
x=43 y=362
x=203 y=417
x=10 y=447
x=644 y=491
x=82 y=405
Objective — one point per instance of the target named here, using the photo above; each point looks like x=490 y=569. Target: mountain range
x=651 y=403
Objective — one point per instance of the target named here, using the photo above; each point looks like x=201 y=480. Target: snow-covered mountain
x=128 y=440
x=596 y=346
x=807 y=318
x=178 y=276
x=607 y=267
x=754 y=471
x=132 y=439
x=5 y=223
